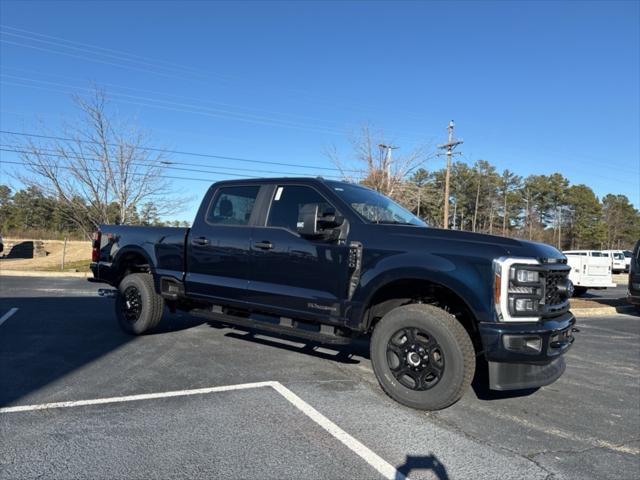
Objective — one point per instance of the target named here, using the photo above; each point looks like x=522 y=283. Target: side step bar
x=286 y=327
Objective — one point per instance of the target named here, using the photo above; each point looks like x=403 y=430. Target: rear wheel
x=422 y=357
x=138 y=307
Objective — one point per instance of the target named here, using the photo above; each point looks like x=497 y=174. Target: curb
x=35 y=273
x=602 y=311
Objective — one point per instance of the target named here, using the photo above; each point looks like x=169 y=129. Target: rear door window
x=233 y=205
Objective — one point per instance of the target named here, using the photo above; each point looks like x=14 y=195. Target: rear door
x=219 y=241
x=297 y=276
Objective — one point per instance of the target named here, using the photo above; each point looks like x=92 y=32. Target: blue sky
x=536 y=87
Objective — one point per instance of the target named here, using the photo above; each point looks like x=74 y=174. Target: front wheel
x=138 y=307
x=422 y=357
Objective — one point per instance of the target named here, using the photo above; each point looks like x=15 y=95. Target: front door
x=218 y=245
x=300 y=276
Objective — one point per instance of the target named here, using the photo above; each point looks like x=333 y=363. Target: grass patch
x=79 y=265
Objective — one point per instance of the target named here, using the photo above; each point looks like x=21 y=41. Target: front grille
x=553 y=294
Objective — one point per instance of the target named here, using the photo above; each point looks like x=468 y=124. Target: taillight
x=95 y=246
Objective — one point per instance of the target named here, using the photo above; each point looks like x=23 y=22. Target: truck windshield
x=374 y=207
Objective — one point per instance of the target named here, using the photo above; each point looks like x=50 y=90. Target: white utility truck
x=590 y=269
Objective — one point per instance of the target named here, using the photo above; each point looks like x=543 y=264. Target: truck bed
x=162 y=248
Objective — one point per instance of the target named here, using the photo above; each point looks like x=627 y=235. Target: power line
x=93 y=59
x=162 y=163
x=155 y=103
x=134 y=174
x=92 y=49
x=178 y=152
x=243 y=116
x=194 y=71
x=172 y=95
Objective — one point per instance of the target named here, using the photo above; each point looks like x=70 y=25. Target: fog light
x=518 y=343
x=525 y=305
x=527 y=276
x=533 y=343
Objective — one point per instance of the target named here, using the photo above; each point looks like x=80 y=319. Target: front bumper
x=512 y=365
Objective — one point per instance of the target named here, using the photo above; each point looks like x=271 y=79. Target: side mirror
x=330 y=220
x=308 y=220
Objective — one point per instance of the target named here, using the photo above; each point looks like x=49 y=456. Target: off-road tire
x=151 y=304
x=457 y=349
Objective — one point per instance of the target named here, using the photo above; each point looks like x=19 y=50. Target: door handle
x=264 y=245
x=199 y=241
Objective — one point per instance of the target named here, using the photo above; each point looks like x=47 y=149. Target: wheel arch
x=397 y=290
x=131 y=259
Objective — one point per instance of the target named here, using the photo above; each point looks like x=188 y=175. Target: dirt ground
x=78 y=254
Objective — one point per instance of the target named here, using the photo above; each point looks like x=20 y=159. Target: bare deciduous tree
x=377 y=172
x=100 y=171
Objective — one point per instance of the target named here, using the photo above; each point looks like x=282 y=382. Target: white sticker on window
x=278 y=193
x=300 y=225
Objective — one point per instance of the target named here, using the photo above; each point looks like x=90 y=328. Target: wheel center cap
x=413 y=359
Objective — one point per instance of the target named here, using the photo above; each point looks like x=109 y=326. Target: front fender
x=470 y=278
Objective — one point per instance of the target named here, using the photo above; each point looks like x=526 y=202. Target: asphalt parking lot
x=321 y=416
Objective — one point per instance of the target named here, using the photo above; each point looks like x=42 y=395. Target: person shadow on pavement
x=430 y=463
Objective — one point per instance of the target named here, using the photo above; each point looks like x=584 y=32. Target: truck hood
x=458 y=239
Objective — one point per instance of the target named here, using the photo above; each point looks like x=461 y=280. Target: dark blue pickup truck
x=327 y=262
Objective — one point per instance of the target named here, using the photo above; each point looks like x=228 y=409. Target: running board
x=285 y=327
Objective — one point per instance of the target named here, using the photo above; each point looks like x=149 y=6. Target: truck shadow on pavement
x=49 y=338
x=355 y=354
x=336 y=353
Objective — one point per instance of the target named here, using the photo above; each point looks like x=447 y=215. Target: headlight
x=527 y=276
x=525 y=305
x=518 y=289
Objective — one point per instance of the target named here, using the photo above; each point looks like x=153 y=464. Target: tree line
x=29 y=213
x=544 y=208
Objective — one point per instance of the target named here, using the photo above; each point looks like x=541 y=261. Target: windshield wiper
x=392 y=222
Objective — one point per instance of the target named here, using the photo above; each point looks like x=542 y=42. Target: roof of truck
x=281 y=179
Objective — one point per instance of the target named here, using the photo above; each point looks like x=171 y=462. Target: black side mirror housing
x=308 y=220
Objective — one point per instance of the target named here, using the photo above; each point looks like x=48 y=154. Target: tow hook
x=108 y=292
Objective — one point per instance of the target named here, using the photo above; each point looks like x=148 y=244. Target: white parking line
x=132 y=398
x=7 y=315
x=373 y=459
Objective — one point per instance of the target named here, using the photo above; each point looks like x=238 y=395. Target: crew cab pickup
x=327 y=262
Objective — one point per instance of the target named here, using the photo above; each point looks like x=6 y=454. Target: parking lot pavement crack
x=456 y=428
x=622 y=447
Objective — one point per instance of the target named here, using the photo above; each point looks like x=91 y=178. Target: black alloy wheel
x=131 y=304
x=415 y=358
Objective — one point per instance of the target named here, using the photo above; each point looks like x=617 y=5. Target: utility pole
x=385 y=151
x=559 y=227
x=448 y=148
